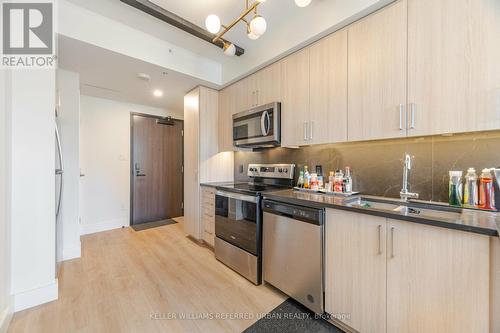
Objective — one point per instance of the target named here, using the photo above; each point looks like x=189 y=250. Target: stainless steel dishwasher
x=293 y=238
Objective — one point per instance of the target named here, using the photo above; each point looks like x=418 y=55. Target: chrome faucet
x=405 y=193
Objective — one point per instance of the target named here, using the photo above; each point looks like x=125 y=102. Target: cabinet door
x=328 y=89
x=377 y=74
x=453 y=65
x=243 y=97
x=295 y=102
x=355 y=288
x=268 y=84
x=191 y=163
x=225 y=130
x=437 y=279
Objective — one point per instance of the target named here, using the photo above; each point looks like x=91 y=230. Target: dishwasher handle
x=305 y=214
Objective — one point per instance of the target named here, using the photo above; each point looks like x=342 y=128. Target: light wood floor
x=125 y=276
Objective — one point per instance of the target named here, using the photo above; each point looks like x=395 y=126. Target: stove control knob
x=285 y=170
x=280 y=170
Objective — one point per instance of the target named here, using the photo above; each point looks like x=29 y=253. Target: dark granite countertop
x=215 y=184
x=470 y=220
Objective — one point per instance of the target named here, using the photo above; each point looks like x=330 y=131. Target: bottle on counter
x=300 y=181
x=319 y=172
x=471 y=190
x=331 y=181
x=348 y=180
x=307 y=177
x=455 y=188
x=486 y=191
x=314 y=184
x=338 y=182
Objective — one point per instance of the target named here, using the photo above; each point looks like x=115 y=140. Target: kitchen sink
x=422 y=210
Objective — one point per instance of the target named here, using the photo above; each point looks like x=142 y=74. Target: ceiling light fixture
x=302 y=3
x=158 y=93
x=255 y=28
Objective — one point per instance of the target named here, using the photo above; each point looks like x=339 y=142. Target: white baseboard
x=103 y=226
x=31 y=298
x=72 y=252
x=5 y=317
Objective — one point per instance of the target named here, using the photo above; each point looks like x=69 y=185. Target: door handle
x=305 y=130
x=413 y=109
x=392 y=242
x=311 y=123
x=140 y=175
x=401 y=110
x=380 y=239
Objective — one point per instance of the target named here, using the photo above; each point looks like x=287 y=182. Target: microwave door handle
x=264 y=123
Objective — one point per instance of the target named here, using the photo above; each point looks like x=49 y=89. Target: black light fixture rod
x=178 y=22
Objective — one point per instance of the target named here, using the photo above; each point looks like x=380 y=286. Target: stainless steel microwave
x=258 y=127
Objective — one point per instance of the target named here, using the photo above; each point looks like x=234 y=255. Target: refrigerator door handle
x=59 y=171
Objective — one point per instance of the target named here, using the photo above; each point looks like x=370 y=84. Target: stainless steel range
x=238 y=217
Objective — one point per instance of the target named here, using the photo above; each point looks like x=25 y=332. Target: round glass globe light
x=230 y=50
x=252 y=36
x=258 y=25
x=212 y=22
x=302 y=3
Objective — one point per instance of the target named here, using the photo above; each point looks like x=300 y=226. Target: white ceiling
x=112 y=75
x=289 y=27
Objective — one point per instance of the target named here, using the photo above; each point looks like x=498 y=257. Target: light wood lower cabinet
x=356 y=270
x=437 y=279
x=384 y=275
x=207 y=213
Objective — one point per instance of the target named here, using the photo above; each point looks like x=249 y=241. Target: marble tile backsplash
x=378 y=165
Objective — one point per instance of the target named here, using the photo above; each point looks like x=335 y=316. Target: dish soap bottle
x=470 y=191
x=455 y=188
x=486 y=191
x=307 y=177
x=300 y=182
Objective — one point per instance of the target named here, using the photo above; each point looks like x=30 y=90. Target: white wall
x=105 y=161
x=33 y=191
x=5 y=298
x=68 y=88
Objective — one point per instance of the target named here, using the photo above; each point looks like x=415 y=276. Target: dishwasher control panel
x=305 y=214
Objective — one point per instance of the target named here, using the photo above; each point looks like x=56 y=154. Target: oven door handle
x=265 y=123
x=237 y=196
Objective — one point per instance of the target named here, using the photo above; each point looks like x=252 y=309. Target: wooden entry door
x=157 y=160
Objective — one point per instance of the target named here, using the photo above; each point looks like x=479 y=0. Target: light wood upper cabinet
x=295 y=99
x=268 y=84
x=453 y=65
x=328 y=89
x=377 y=74
x=437 y=279
x=355 y=291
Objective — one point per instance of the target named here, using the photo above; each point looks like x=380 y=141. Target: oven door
x=236 y=218
x=259 y=126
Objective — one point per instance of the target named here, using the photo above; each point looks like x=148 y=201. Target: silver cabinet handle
x=257 y=98
x=413 y=109
x=401 y=110
x=305 y=130
x=253 y=98
x=380 y=239
x=392 y=242
x=311 y=123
